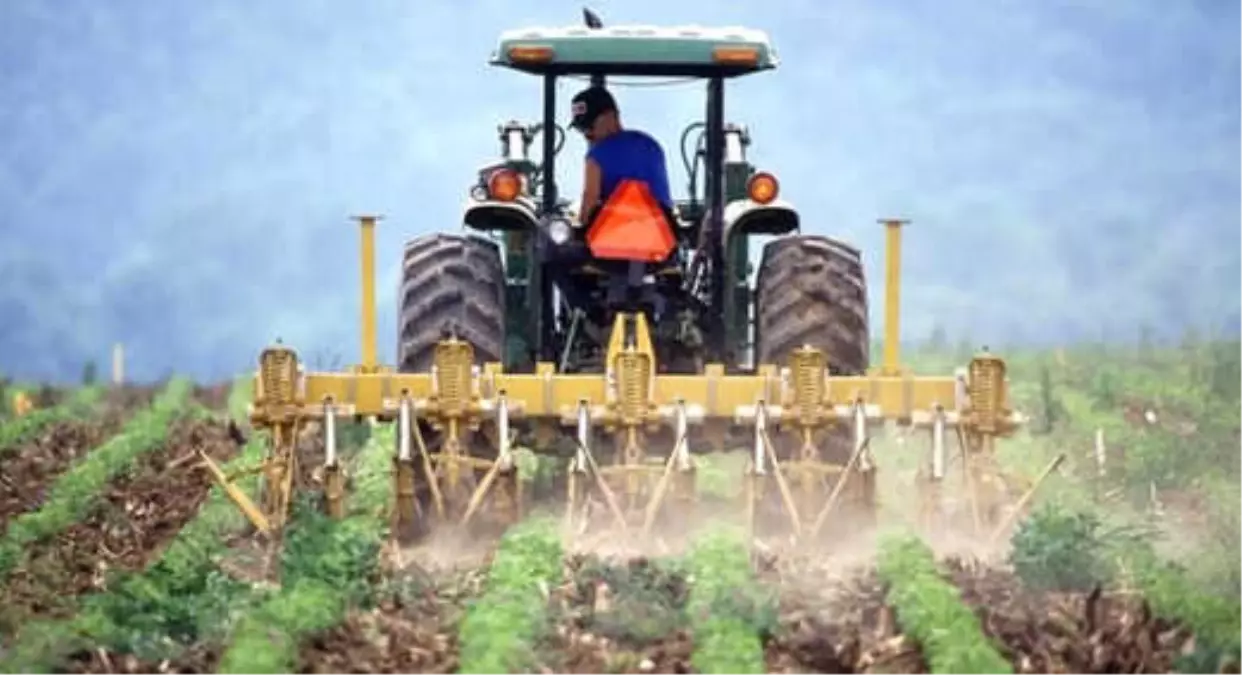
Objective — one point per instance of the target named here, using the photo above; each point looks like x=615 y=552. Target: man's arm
x=592 y=181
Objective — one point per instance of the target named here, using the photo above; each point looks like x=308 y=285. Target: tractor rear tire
x=450 y=283
x=811 y=291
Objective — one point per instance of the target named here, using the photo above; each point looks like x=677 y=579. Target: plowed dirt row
x=138 y=516
x=627 y=616
x=845 y=626
x=32 y=467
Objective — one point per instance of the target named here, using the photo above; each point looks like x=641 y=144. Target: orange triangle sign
x=631 y=226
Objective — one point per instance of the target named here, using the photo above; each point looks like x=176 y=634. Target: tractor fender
x=491 y=216
x=745 y=216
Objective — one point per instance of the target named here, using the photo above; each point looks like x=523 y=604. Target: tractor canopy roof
x=678 y=51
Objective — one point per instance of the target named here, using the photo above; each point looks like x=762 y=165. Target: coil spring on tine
x=808 y=384
x=985 y=388
x=453 y=370
x=634 y=371
x=276 y=369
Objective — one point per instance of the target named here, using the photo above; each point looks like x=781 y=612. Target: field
x=118 y=555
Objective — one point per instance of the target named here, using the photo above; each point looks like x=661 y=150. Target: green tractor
x=525 y=330
x=498 y=293
x=524 y=287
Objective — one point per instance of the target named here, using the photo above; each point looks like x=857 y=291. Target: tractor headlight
x=559 y=230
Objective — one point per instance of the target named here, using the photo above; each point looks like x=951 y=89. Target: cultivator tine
x=938 y=451
x=503 y=465
x=862 y=438
x=1025 y=499
x=433 y=477
x=756 y=470
x=866 y=459
x=934 y=469
x=333 y=481
x=677 y=465
x=835 y=495
x=610 y=497
x=248 y=508
x=407 y=509
x=279 y=472
x=787 y=498
x=576 y=476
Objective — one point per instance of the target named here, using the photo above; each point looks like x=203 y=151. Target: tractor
x=529 y=327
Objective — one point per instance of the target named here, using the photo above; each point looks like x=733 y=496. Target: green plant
x=328 y=566
x=1059 y=550
x=729 y=612
x=648 y=598
x=501 y=628
x=931 y=611
x=180 y=598
x=82 y=403
x=1052 y=411
x=78 y=489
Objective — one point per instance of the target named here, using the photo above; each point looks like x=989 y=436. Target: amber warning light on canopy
x=530 y=54
x=631 y=226
x=736 y=56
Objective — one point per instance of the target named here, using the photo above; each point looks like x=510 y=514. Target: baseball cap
x=589 y=104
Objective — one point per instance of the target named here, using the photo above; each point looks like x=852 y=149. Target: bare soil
x=32 y=467
x=835 y=621
x=627 y=615
x=138 y=515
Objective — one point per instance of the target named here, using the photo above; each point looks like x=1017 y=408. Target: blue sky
x=178 y=175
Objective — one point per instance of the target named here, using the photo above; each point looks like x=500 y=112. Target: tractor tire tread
x=811 y=290
x=450 y=283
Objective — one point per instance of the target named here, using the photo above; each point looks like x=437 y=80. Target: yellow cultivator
x=624 y=370
x=792 y=406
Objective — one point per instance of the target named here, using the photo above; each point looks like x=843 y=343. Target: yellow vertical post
x=370 y=361
x=118 y=364
x=892 y=296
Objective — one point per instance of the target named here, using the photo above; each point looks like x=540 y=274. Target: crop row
x=177 y=599
x=77 y=490
x=930 y=611
x=500 y=630
x=727 y=608
x=1175 y=591
x=1215 y=619
x=20 y=429
x=327 y=567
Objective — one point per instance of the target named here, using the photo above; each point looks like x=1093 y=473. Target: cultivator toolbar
x=786 y=413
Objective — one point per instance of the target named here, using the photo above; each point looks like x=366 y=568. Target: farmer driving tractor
x=615 y=153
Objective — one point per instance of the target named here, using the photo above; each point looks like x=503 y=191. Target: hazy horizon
x=179 y=177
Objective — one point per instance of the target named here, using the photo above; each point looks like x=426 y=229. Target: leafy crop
x=930 y=610
x=501 y=628
x=327 y=567
x=1061 y=550
x=78 y=489
x=177 y=600
x=21 y=429
x=648 y=602
x=1215 y=619
x=729 y=612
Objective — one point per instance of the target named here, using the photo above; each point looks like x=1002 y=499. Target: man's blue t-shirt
x=633 y=155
